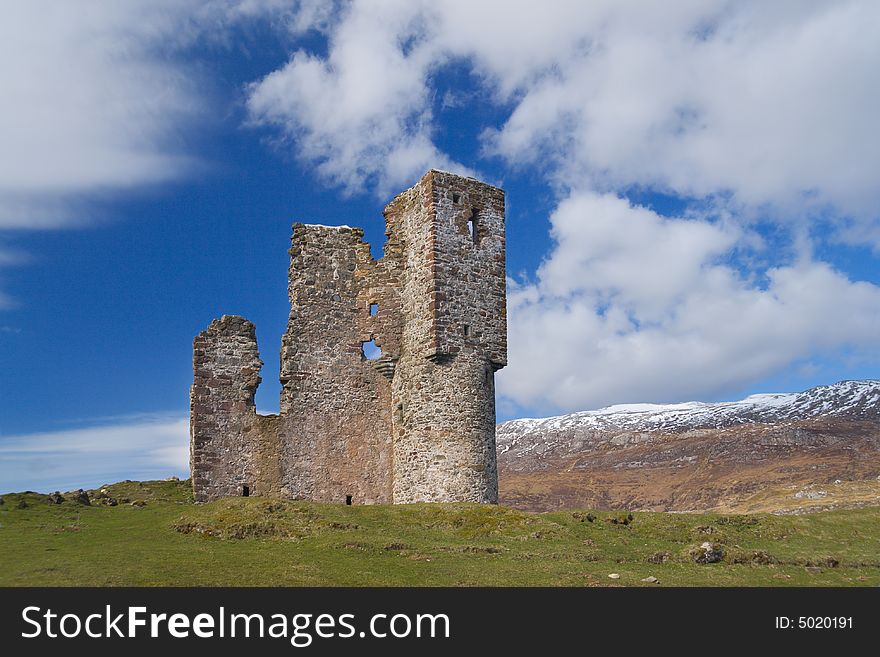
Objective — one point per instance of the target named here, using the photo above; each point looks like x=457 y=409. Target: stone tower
x=414 y=424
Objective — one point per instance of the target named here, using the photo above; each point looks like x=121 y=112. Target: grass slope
x=155 y=535
x=807 y=498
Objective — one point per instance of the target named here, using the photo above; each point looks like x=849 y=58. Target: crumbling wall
x=336 y=405
x=231 y=447
x=417 y=424
x=469 y=296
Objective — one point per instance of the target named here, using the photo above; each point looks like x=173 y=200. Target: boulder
x=707 y=553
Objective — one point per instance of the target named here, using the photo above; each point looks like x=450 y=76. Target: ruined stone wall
x=469 y=299
x=335 y=404
x=417 y=424
x=408 y=220
x=231 y=447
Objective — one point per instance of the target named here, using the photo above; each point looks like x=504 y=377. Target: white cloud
x=763 y=112
x=146 y=448
x=363 y=114
x=296 y=15
x=94 y=103
x=633 y=306
x=776 y=107
x=91 y=104
x=615 y=252
x=773 y=103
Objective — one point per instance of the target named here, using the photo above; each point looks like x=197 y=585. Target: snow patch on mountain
x=849 y=399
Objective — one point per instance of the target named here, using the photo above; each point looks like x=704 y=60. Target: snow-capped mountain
x=692 y=455
x=845 y=399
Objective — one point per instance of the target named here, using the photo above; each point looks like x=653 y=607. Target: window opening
x=370 y=350
x=473 y=228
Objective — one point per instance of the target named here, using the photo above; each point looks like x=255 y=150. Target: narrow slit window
x=348 y=500
x=374 y=309
x=245 y=491
x=473 y=228
x=467 y=330
x=456 y=198
x=370 y=350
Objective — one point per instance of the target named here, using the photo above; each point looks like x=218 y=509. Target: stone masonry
x=414 y=424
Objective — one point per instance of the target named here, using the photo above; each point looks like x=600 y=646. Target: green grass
x=258 y=542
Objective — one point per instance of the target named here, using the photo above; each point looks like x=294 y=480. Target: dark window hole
x=473 y=228
x=245 y=491
x=348 y=500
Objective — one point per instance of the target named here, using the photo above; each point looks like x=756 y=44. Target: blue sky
x=692 y=196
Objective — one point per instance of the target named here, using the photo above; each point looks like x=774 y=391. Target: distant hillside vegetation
x=699 y=456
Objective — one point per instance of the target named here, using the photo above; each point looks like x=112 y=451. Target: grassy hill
x=151 y=533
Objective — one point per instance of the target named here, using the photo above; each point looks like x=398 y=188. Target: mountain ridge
x=691 y=455
x=864 y=394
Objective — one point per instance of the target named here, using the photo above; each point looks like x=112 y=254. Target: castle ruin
x=415 y=424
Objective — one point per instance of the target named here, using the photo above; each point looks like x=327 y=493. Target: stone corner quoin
x=387 y=366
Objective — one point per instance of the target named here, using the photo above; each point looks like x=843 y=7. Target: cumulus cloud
x=775 y=107
x=148 y=447
x=750 y=113
x=630 y=305
x=773 y=103
x=363 y=114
